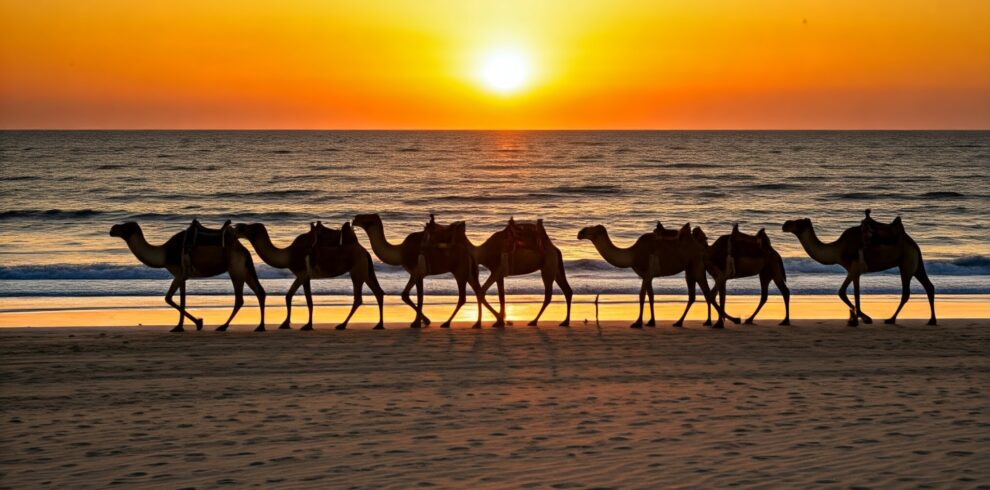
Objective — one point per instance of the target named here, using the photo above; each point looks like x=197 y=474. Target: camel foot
x=426 y=321
x=415 y=325
x=680 y=324
x=445 y=325
x=476 y=325
x=932 y=322
x=733 y=319
x=707 y=323
x=652 y=322
x=867 y=320
x=177 y=329
x=199 y=324
x=852 y=323
x=221 y=328
x=719 y=325
x=307 y=327
x=565 y=323
x=890 y=321
x=380 y=326
x=532 y=323
x=498 y=324
x=786 y=322
x=261 y=328
x=749 y=321
x=285 y=326
x=637 y=324
x=509 y=323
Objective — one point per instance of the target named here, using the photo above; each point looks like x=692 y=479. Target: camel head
x=367 y=221
x=591 y=232
x=125 y=230
x=249 y=231
x=797 y=226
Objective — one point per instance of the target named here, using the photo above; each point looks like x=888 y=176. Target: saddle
x=665 y=234
x=322 y=237
x=526 y=235
x=198 y=235
x=742 y=245
x=436 y=235
x=877 y=233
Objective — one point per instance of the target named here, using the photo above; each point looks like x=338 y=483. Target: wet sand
x=816 y=404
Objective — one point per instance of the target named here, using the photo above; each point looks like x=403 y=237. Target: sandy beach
x=817 y=404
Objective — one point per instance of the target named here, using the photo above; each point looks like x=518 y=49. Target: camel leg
x=501 y=321
x=408 y=301
x=853 y=319
x=905 y=294
x=710 y=296
x=461 y=299
x=372 y=281
x=642 y=297
x=259 y=292
x=764 y=288
x=929 y=289
x=288 y=304
x=182 y=309
x=723 y=288
x=479 y=294
x=357 y=282
x=690 y=301
x=308 y=291
x=859 y=312
x=547 y=294
x=708 y=322
x=238 y=303
x=653 y=316
x=420 y=289
x=565 y=288
x=778 y=280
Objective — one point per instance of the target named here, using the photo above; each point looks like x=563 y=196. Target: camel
x=197 y=252
x=320 y=253
x=655 y=256
x=869 y=247
x=739 y=255
x=519 y=249
x=438 y=249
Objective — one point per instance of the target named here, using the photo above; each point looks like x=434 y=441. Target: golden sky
x=692 y=64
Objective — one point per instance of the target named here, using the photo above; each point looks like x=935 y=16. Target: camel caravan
x=520 y=248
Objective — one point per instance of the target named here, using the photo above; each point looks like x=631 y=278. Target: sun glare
x=504 y=71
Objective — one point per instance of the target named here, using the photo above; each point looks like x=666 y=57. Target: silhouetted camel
x=655 y=256
x=320 y=253
x=196 y=253
x=436 y=250
x=739 y=255
x=519 y=249
x=869 y=247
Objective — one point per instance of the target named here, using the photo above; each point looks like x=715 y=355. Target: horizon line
x=498 y=129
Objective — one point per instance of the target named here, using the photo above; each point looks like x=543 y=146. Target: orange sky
x=414 y=64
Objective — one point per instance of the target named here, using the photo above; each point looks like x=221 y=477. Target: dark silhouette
x=519 y=249
x=438 y=249
x=654 y=255
x=869 y=247
x=197 y=252
x=740 y=255
x=320 y=253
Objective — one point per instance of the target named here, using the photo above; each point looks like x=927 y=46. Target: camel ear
x=735 y=228
x=433 y=219
x=867 y=213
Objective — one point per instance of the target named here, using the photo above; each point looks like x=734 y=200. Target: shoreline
x=116 y=311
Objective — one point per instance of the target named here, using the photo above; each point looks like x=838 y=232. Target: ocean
x=61 y=191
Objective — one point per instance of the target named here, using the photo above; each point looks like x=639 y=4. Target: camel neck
x=386 y=252
x=150 y=255
x=825 y=253
x=618 y=257
x=272 y=255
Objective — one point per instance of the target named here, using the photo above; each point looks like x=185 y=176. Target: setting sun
x=504 y=71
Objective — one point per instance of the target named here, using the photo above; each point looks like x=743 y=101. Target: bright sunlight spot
x=504 y=71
